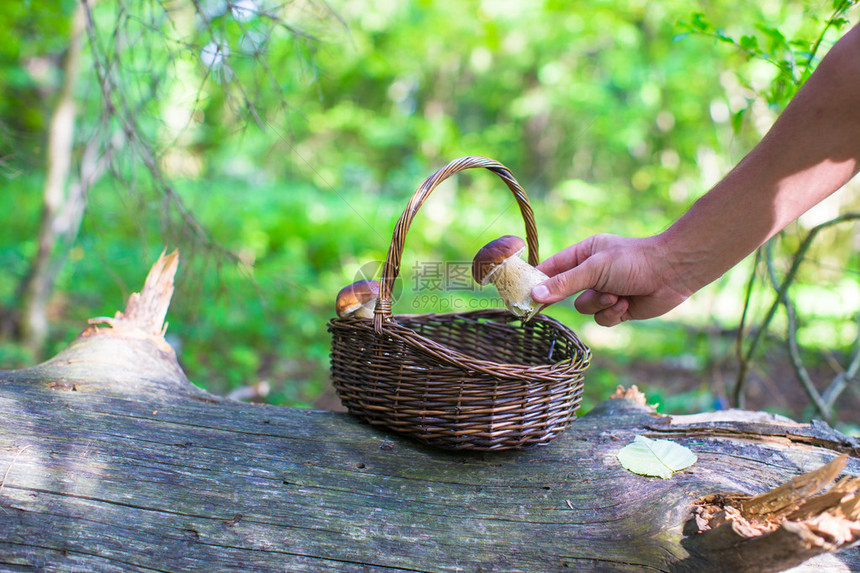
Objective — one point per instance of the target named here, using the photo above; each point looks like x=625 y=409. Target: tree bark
x=111 y=460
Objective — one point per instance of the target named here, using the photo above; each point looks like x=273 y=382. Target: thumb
x=563 y=285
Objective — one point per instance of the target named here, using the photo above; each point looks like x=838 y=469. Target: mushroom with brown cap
x=358 y=299
x=499 y=262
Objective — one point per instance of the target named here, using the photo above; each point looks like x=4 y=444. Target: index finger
x=565 y=259
x=565 y=283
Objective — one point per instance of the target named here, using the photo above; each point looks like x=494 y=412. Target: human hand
x=622 y=278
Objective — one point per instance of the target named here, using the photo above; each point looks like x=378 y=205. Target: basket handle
x=392 y=261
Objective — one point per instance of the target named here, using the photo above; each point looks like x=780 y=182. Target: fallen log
x=111 y=459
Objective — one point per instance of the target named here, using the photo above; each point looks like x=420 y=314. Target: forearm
x=810 y=152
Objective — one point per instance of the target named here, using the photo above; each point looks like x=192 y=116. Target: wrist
x=688 y=263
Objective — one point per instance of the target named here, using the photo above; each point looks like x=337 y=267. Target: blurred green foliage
x=294 y=134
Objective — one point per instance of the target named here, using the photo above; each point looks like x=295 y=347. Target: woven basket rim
x=539 y=373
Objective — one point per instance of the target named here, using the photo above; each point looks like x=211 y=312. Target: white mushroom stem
x=515 y=279
x=365 y=310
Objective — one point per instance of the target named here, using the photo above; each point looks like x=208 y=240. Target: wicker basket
x=477 y=380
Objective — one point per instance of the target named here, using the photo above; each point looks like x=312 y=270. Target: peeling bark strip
x=111 y=460
x=795 y=514
x=146 y=310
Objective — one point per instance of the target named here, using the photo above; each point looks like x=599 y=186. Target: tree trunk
x=63 y=206
x=112 y=460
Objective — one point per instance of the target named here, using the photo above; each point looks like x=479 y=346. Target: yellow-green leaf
x=660 y=458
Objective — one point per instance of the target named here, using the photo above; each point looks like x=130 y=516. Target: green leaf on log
x=660 y=458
